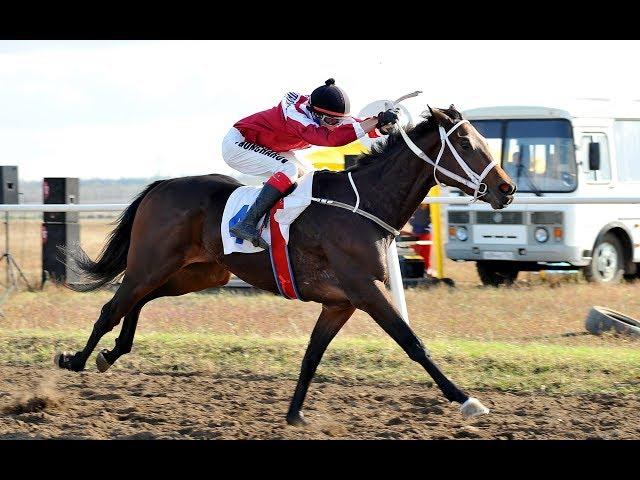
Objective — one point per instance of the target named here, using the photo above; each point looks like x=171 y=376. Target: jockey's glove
x=387 y=120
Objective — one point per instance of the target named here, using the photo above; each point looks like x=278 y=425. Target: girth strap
x=373 y=218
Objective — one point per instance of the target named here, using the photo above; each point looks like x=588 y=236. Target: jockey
x=263 y=143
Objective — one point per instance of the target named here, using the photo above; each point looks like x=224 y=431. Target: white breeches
x=252 y=159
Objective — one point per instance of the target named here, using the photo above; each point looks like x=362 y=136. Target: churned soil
x=47 y=403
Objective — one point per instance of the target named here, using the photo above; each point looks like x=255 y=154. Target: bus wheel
x=495 y=275
x=607 y=261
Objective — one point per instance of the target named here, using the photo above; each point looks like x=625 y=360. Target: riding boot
x=271 y=192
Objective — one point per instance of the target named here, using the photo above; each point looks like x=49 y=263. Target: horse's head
x=464 y=160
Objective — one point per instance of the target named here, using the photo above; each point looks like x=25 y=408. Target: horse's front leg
x=368 y=293
x=331 y=320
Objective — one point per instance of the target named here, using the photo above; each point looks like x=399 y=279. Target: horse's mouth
x=499 y=201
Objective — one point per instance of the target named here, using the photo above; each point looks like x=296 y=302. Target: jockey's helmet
x=329 y=103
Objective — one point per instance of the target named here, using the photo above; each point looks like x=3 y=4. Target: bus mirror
x=594 y=156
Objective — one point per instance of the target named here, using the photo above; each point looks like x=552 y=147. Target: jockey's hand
x=387 y=120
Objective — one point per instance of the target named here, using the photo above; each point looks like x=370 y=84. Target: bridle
x=474 y=181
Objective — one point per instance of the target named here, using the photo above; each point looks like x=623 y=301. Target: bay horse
x=168 y=242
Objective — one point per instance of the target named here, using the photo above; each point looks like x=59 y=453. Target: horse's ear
x=427 y=114
x=440 y=116
x=456 y=114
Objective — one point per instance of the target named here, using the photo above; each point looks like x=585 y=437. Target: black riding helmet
x=329 y=99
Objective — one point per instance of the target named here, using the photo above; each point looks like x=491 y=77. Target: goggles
x=329 y=120
x=326 y=118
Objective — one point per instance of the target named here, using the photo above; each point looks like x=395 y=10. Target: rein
x=474 y=181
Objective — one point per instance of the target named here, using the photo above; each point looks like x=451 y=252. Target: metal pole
x=395 y=281
x=466 y=200
x=6 y=247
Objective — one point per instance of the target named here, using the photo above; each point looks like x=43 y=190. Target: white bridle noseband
x=475 y=181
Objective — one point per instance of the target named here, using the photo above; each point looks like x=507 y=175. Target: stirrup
x=261 y=243
x=257 y=241
x=252 y=237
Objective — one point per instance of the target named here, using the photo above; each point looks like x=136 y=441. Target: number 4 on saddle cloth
x=275 y=231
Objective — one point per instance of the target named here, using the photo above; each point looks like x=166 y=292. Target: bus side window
x=604 y=174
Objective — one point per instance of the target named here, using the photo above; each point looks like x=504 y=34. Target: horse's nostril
x=507 y=188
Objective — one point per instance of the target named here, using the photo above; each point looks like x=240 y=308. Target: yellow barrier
x=436 y=233
x=332 y=158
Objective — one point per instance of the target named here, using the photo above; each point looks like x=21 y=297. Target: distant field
x=532 y=308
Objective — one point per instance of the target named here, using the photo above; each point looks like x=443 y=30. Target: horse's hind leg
x=124 y=342
x=131 y=291
x=192 y=278
x=331 y=320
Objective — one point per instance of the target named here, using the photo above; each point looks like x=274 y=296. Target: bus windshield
x=537 y=154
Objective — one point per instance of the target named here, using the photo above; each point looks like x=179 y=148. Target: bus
x=590 y=149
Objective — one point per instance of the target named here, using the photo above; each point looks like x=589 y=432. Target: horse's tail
x=113 y=258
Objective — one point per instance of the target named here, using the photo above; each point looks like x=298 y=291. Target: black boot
x=247 y=227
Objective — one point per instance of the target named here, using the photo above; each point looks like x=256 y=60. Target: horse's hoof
x=296 y=419
x=101 y=362
x=472 y=408
x=57 y=358
x=65 y=360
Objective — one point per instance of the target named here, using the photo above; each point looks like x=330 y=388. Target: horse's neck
x=393 y=188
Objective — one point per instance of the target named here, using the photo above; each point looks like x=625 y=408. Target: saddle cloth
x=275 y=232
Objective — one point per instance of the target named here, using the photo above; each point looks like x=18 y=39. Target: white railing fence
x=544 y=200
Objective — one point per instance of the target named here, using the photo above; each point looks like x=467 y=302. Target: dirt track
x=129 y=405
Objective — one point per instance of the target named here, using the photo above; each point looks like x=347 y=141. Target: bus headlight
x=541 y=234
x=461 y=234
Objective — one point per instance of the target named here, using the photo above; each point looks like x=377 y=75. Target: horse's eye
x=465 y=144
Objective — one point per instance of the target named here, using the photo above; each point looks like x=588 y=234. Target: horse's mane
x=382 y=149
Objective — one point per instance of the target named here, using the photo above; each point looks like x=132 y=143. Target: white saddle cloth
x=242 y=198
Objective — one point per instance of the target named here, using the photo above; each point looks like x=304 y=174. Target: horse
x=168 y=242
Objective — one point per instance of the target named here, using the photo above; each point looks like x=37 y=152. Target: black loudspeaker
x=60 y=190
x=54 y=235
x=411 y=266
x=8 y=185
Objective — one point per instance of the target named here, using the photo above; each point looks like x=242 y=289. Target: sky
x=114 y=109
